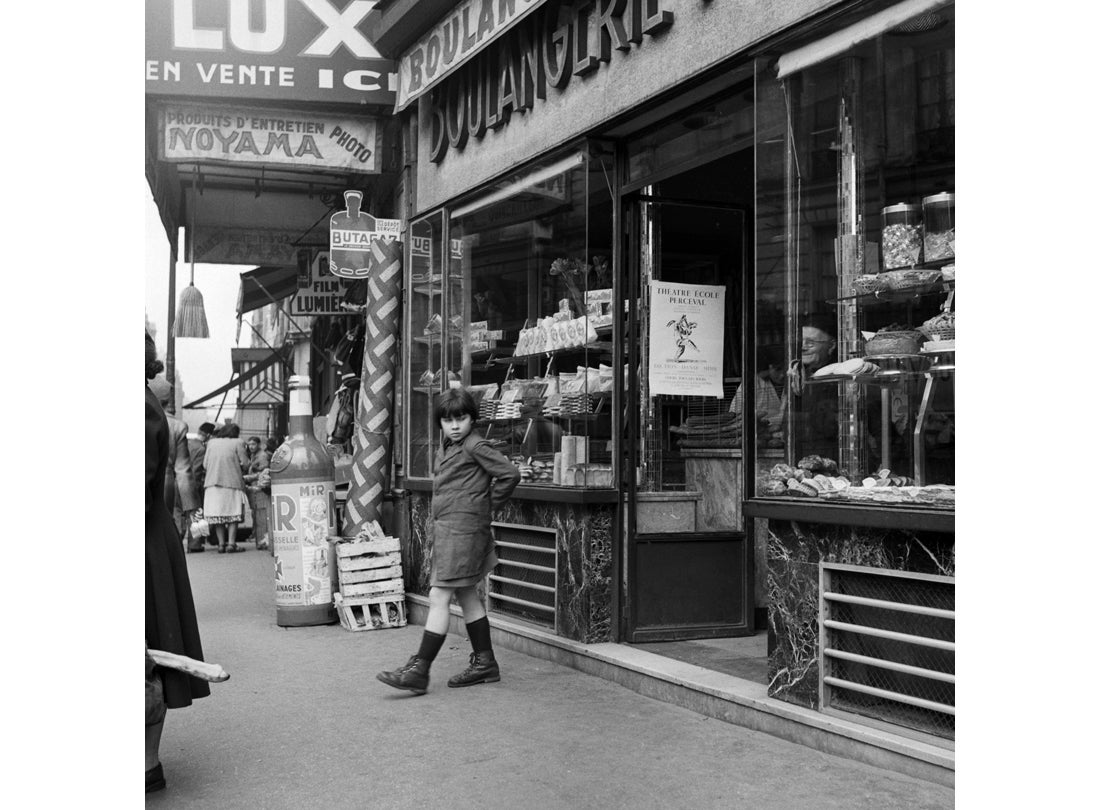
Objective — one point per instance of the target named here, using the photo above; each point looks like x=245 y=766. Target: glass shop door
x=688 y=564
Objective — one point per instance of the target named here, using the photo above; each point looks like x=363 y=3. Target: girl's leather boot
x=483 y=669
x=412 y=677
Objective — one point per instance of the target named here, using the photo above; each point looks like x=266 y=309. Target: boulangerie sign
x=190 y=133
x=468 y=29
x=686 y=333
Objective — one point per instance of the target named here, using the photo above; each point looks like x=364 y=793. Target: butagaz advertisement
x=685 y=338
x=267 y=137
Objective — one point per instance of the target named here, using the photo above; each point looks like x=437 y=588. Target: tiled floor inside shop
x=745 y=657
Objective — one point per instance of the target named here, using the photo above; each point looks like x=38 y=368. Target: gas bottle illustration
x=303 y=517
x=350 y=235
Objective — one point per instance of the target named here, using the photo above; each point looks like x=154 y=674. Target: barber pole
x=372 y=440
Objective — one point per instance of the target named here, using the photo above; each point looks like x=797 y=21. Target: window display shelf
x=600 y=346
x=940 y=287
x=429 y=340
x=426 y=289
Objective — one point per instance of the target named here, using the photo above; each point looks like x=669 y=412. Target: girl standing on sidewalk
x=471 y=481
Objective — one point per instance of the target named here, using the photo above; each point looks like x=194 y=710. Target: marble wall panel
x=584 y=543
x=795 y=551
x=719 y=479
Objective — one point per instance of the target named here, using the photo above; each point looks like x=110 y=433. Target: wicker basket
x=887 y=343
x=868 y=284
x=942 y=327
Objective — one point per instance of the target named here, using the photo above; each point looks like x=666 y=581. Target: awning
x=254 y=371
x=264 y=285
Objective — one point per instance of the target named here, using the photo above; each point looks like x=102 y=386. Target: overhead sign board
x=284 y=50
x=259 y=246
x=196 y=133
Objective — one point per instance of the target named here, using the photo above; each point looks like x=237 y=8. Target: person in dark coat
x=180 y=493
x=170 y=622
x=472 y=480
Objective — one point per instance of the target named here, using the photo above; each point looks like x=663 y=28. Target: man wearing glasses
x=814 y=407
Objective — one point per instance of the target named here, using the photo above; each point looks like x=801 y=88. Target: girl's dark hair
x=455 y=402
x=230 y=431
x=271 y=445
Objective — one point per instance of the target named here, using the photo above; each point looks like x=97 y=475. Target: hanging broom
x=191 y=315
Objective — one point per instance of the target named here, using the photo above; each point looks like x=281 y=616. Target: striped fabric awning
x=264 y=285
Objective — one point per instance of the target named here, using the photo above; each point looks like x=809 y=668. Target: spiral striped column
x=372 y=439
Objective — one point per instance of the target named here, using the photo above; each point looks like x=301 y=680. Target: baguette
x=198 y=669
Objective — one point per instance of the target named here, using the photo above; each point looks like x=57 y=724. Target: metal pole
x=170 y=353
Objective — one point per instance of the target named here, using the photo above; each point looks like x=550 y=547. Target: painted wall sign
x=247 y=246
x=193 y=133
x=545 y=49
x=686 y=331
x=289 y=50
x=351 y=234
x=465 y=31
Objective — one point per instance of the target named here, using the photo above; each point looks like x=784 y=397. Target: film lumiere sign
x=478 y=76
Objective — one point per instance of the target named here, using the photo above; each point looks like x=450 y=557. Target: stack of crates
x=372 y=591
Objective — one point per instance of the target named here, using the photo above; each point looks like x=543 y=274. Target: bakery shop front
x=696 y=262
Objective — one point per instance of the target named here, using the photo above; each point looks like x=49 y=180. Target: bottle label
x=303 y=517
x=280 y=459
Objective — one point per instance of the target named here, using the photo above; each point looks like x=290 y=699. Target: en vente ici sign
x=545 y=48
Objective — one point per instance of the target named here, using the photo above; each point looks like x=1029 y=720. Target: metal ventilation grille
x=525 y=582
x=888 y=646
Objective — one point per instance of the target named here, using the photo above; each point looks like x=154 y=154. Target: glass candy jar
x=901 y=236
x=939 y=226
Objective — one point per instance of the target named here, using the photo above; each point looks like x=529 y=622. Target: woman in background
x=224 y=502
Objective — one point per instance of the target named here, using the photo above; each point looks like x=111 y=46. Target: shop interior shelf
x=601 y=346
x=894 y=296
x=884 y=378
x=429 y=340
x=427 y=289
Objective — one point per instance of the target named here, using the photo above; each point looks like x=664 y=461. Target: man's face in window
x=817 y=347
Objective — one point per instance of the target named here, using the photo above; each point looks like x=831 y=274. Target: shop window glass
x=693 y=235
x=855 y=271
x=526 y=319
x=424 y=321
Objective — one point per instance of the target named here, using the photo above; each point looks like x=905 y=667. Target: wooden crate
x=370 y=568
x=371 y=613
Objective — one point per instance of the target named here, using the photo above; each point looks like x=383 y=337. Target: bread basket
x=942 y=327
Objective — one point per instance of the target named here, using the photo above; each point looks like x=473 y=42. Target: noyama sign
x=290 y=50
x=268 y=137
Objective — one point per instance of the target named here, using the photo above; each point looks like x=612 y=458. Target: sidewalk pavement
x=302 y=722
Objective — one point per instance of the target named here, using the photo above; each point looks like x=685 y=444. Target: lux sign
x=340 y=28
x=300 y=50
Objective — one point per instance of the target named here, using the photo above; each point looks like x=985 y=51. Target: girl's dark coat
x=472 y=480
